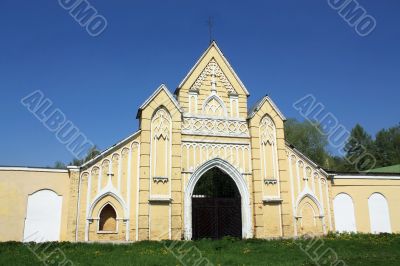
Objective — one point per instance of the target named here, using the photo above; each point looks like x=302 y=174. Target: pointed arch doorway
x=217 y=202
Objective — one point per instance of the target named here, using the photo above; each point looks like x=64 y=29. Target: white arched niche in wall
x=379 y=214
x=43 y=217
x=343 y=208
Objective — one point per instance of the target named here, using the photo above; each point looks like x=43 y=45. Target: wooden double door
x=216 y=217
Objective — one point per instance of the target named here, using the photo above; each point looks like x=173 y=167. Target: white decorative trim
x=308 y=193
x=305 y=158
x=115 y=146
x=240 y=183
x=261 y=103
x=232 y=99
x=160 y=198
x=322 y=201
x=215 y=142
x=267 y=136
x=119 y=174
x=128 y=196
x=108 y=191
x=290 y=156
x=88 y=194
x=227 y=152
x=329 y=205
x=202 y=116
x=162 y=130
x=137 y=193
x=193 y=96
x=214 y=127
x=349 y=176
x=219 y=100
x=35 y=169
x=78 y=207
x=156 y=92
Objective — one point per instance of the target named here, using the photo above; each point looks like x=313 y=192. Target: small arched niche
x=108 y=219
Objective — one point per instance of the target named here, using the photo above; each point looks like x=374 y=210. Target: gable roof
x=213 y=44
x=162 y=87
x=254 y=109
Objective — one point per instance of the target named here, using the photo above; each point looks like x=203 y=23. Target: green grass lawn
x=350 y=250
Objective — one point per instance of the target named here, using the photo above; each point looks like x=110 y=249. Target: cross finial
x=210 y=24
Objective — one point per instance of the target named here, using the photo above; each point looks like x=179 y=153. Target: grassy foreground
x=357 y=249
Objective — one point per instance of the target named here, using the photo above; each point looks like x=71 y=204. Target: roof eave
x=261 y=103
x=154 y=94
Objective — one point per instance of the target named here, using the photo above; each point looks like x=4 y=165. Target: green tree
x=387 y=147
x=358 y=149
x=336 y=163
x=92 y=152
x=59 y=165
x=308 y=138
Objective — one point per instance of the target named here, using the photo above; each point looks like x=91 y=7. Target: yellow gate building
x=148 y=185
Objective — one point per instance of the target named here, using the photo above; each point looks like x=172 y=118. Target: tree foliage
x=92 y=152
x=362 y=152
x=386 y=148
x=358 y=150
x=59 y=165
x=308 y=138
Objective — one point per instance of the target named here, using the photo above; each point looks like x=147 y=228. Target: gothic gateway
x=202 y=164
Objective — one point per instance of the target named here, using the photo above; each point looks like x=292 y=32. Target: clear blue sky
x=282 y=48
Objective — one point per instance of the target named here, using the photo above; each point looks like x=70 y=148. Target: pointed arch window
x=214 y=106
x=268 y=149
x=108 y=219
x=161 y=133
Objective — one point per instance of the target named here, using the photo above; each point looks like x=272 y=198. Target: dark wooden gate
x=216 y=217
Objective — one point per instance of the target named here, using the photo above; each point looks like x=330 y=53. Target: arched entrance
x=217 y=202
x=216 y=208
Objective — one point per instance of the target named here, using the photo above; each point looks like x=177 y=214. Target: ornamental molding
x=270 y=181
x=215 y=127
x=160 y=198
x=272 y=199
x=213 y=69
x=268 y=131
x=160 y=179
x=161 y=124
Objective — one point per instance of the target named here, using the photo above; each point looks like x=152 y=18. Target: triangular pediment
x=213 y=64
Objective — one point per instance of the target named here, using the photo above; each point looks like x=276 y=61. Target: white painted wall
x=344 y=213
x=43 y=217
x=379 y=214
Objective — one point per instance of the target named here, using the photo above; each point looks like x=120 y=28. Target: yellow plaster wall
x=307 y=180
x=15 y=187
x=158 y=209
x=361 y=189
x=116 y=171
x=264 y=225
